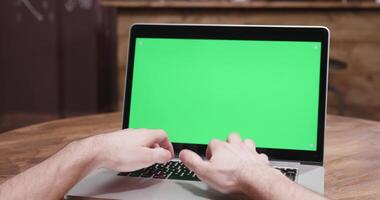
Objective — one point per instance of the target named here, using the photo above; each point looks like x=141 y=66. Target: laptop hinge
x=299 y=162
x=312 y=163
x=290 y=164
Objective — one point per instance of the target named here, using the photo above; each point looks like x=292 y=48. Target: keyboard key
x=179 y=177
x=171 y=170
x=135 y=174
x=161 y=175
x=123 y=174
x=288 y=172
x=148 y=173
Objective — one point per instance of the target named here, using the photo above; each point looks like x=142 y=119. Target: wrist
x=256 y=179
x=88 y=153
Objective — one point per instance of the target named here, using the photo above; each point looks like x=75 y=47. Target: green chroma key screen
x=199 y=89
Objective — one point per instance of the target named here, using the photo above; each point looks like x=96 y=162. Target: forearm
x=272 y=185
x=52 y=178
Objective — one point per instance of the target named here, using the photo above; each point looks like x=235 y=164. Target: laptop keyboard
x=178 y=171
x=170 y=170
x=288 y=172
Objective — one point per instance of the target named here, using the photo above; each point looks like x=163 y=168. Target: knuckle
x=161 y=132
x=234 y=134
x=142 y=129
x=213 y=142
x=264 y=156
x=224 y=144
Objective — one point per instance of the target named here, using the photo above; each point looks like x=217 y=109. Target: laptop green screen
x=199 y=89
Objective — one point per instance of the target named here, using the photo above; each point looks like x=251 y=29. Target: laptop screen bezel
x=232 y=32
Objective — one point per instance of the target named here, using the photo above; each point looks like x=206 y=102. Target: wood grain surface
x=243 y=5
x=352 y=153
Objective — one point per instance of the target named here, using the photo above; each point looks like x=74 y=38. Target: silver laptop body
x=107 y=184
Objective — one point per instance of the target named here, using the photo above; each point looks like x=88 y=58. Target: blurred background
x=67 y=58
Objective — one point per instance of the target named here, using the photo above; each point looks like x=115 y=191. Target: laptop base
x=106 y=184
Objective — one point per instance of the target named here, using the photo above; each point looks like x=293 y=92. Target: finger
x=193 y=161
x=208 y=152
x=161 y=138
x=212 y=145
x=233 y=138
x=157 y=155
x=166 y=144
x=250 y=144
x=263 y=157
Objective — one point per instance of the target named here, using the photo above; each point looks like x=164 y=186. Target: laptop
x=199 y=82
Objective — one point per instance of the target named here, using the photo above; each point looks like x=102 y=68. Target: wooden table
x=352 y=158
